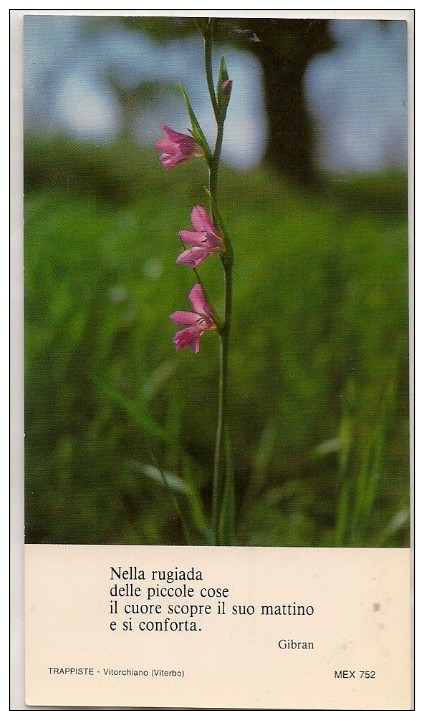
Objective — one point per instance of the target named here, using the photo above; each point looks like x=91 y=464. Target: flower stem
x=221 y=445
x=220 y=514
x=214 y=166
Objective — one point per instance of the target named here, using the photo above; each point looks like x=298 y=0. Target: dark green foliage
x=319 y=358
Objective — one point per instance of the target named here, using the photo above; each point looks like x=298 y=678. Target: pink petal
x=201 y=220
x=188 y=337
x=198 y=301
x=169 y=161
x=214 y=241
x=184 y=317
x=193 y=256
x=196 y=238
x=177 y=147
x=164 y=144
x=174 y=140
x=173 y=136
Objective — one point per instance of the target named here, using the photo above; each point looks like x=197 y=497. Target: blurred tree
x=284 y=48
x=131 y=96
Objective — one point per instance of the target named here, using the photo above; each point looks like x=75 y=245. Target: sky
x=357 y=93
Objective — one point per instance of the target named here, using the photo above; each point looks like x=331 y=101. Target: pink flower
x=205 y=239
x=226 y=86
x=176 y=147
x=198 y=321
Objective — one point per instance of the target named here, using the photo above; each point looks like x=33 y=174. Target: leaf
x=329 y=446
x=136 y=411
x=196 y=504
x=172 y=483
x=228 y=508
x=160 y=476
x=217 y=218
x=158 y=378
x=196 y=130
x=396 y=524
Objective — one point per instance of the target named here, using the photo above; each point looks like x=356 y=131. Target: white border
x=16 y=253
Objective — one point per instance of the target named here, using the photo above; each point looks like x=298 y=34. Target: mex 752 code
x=354 y=674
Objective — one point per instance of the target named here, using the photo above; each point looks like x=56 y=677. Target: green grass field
x=120 y=428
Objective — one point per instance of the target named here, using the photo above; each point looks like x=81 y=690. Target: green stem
x=217 y=485
x=221 y=446
x=214 y=166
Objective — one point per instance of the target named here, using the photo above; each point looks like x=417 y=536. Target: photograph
x=216 y=281
x=217 y=245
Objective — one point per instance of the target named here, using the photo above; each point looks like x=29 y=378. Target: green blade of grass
x=135 y=411
x=172 y=485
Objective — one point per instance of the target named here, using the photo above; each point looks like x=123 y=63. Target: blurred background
x=314 y=195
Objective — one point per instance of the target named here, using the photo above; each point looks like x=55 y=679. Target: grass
x=120 y=428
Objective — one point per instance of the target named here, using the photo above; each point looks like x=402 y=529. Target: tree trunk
x=290 y=143
x=284 y=49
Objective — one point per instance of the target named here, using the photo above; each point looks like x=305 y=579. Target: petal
x=164 y=144
x=188 y=337
x=196 y=238
x=193 y=256
x=201 y=220
x=195 y=344
x=184 y=317
x=214 y=241
x=169 y=161
x=198 y=301
x=173 y=136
